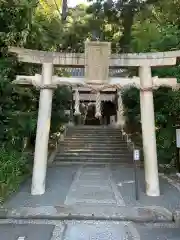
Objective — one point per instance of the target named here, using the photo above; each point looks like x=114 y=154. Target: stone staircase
x=93 y=144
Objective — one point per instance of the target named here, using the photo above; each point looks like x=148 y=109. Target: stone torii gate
x=97 y=60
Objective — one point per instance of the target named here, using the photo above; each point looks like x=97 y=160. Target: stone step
x=89 y=162
x=117 y=133
x=83 y=145
x=99 y=151
x=101 y=145
x=92 y=140
x=95 y=137
x=89 y=154
x=97 y=132
x=103 y=142
x=90 y=148
x=92 y=127
x=74 y=213
x=97 y=154
x=96 y=144
x=98 y=138
x=96 y=159
x=76 y=129
x=100 y=129
x=87 y=145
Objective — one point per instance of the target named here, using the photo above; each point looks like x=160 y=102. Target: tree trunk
x=127 y=22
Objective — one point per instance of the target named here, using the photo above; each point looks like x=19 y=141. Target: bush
x=14 y=168
x=167 y=111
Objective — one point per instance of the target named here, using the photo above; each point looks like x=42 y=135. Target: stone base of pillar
x=121 y=122
x=70 y=124
x=117 y=125
x=77 y=119
x=98 y=115
x=101 y=120
x=112 y=121
x=62 y=137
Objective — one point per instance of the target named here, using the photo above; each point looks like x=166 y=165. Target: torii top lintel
x=79 y=60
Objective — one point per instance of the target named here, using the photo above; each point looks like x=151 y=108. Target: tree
x=121 y=13
x=18 y=106
x=50 y=7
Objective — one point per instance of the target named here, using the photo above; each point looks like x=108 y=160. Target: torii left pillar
x=42 y=133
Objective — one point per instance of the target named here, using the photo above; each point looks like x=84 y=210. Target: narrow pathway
x=94 y=185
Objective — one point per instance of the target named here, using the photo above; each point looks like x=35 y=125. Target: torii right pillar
x=144 y=61
x=148 y=124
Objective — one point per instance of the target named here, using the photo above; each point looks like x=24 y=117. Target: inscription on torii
x=97 y=61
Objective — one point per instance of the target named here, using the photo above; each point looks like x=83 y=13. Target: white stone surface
x=120 y=111
x=78 y=59
x=42 y=134
x=77 y=112
x=148 y=133
x=112 y=84
x=92 y=97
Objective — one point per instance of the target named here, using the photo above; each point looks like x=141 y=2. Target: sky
x=73 y=3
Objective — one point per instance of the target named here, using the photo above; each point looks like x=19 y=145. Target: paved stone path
x=98 y=185
x=86 y=230
x=11 y=231
x=98 y=190
x=94 y=185
x=93 y=192
x=100 y=231
x=58 y=182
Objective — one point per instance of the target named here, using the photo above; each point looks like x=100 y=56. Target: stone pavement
x=86 y=230
x=94 y=186
x=84 y=202
x=11 y=231
x=59 y=180
x=124 y=180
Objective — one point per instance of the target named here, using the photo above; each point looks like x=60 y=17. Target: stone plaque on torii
x=96 y=60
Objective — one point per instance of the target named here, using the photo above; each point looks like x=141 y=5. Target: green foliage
x=14 y=167
x=60 y=104
x=136 y=26
x=23 y=26
x=131 y=102
x=167 y=111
